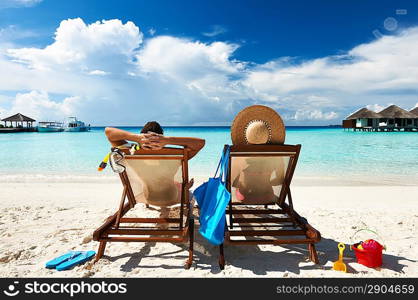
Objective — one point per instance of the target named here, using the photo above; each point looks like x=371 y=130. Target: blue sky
x=313 y=61
x=268 y=29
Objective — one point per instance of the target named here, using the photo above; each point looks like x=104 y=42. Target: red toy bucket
x=368 y=258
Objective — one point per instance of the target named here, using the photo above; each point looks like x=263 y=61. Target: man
x=155 y=182
x=152 y=138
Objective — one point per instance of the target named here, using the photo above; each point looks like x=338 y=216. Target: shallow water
x=390 y=157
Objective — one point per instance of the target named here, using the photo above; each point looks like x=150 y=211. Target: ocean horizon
x=328 y=152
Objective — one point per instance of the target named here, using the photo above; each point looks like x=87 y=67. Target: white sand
x=40 y=221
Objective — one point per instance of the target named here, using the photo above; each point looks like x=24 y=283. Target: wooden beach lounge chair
x=143 y=182
x=268 y=219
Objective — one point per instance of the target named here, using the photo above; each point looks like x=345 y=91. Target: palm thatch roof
x=18 y=118
x=364 y=113
x=414 y=111
x=394 y=111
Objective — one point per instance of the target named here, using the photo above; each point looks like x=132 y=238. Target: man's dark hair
x=152 y=126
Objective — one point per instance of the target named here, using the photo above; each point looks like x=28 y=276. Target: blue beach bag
x=213 y=198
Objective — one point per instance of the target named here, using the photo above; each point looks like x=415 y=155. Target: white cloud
x=38 y=105
x=315 y=114
x=98 y=72
x=152 y=31
x=377 y=107
x=176 y=57
x=215 y=30
x=13 y=32
x=18 y=3
x=131 y=94
x=113 y=77
x=207 y=69
x=387 y=65
x=77 y=46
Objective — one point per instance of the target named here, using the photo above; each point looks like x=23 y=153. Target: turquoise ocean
x=327 y=152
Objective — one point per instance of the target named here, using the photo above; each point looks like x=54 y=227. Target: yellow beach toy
x=339 y=265
x=105 y=160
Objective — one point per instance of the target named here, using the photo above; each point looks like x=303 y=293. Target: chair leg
x=221 y=257
x=191 y=240
x=100 y=252
x=313 y=256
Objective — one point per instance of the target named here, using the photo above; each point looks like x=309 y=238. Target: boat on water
x=50 y=127
x=74 y=125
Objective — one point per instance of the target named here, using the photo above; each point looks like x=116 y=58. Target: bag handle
x=222 y=165
x=219 y=163
x=369 y=230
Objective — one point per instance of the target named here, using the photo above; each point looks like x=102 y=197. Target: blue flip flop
x=63 y=258
x=79 y=259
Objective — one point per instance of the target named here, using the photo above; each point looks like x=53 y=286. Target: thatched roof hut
x=392 y=118
x=395 y=112
x=414 y=111
x=364 y=113
x=18 y=118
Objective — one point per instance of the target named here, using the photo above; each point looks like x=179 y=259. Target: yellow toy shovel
x=339 y=265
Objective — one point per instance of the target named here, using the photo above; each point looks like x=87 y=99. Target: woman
x=255 y=179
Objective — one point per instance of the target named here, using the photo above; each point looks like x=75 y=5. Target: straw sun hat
x=257 y=124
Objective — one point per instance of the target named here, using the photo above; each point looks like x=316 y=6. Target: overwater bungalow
x=392 y=118
x=415 y=112
x=363 y=118
x=397 y=118
x=21 y=123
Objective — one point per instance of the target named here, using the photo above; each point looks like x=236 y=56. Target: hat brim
x=258 y=112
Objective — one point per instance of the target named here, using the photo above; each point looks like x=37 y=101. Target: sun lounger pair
x=261 y=221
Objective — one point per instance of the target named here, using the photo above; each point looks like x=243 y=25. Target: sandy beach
x=40 y=221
